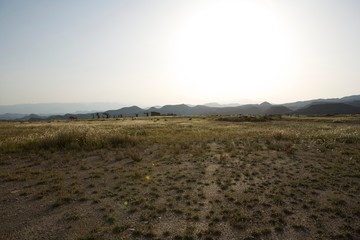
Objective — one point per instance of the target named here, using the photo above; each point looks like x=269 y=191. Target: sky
x=157 y=52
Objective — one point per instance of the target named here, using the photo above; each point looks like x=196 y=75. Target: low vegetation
x=233 y=177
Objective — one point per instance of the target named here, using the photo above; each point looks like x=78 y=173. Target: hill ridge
x=345 y=105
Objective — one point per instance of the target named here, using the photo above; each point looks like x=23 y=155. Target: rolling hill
x=328 y=108
x=345 y=105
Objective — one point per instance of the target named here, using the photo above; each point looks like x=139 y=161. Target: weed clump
x=71 y=138
x=246 y=118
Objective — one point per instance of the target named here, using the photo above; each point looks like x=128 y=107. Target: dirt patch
x=205 y=180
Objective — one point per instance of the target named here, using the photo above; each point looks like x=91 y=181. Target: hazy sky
x=167 y=52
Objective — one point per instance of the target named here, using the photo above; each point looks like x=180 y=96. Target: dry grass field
x=181 y=178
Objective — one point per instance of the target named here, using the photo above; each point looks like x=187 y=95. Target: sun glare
x=230 y=48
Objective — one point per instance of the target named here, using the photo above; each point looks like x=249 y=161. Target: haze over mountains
x=47 y=109
x=345 y=105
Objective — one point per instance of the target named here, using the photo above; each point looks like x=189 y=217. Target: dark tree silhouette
x=155 y=114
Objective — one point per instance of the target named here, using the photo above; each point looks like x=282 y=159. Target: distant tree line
x=99 y=115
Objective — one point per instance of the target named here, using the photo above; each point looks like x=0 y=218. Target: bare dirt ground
x=186 y=179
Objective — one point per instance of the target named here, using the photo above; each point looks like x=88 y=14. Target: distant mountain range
x=345 y=105
x=56 y=108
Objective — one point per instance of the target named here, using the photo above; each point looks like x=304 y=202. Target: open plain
x=231 y=177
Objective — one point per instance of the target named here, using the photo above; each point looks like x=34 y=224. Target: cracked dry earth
x=205 y=190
